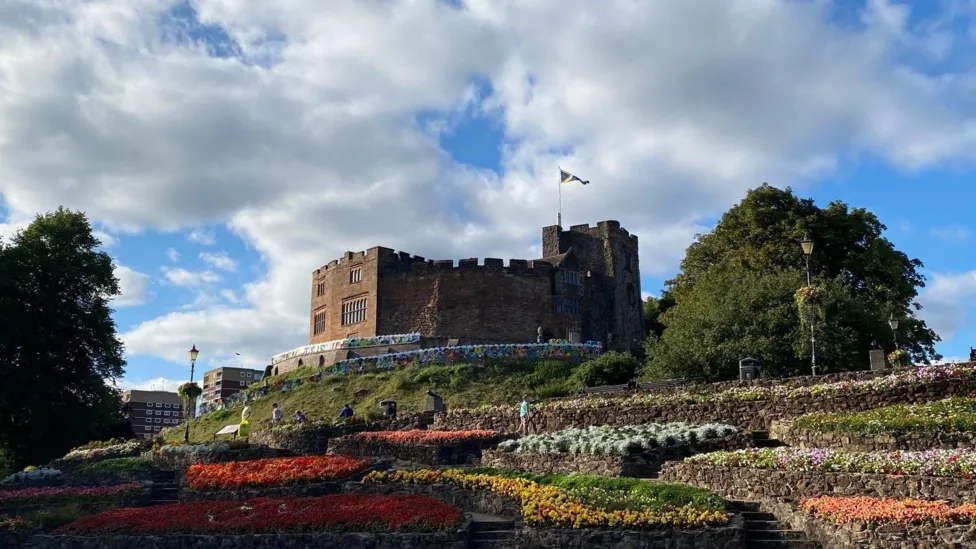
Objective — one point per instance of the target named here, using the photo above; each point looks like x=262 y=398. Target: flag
x=566 y=177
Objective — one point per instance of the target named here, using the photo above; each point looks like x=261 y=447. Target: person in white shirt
x=276 y=413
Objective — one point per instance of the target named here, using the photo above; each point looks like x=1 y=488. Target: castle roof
x=556 y=260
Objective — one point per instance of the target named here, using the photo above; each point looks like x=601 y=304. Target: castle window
x=628 y=262
x=354 y=311
x=631 y=294
x=568 y=306
x=320 y=290
x=355 y=276
x=573 y=278
x=319 y=322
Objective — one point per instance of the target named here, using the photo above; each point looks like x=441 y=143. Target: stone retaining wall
x=110 y=478
x=139 y=499
x=731 y=536
x=180 y=462
x=314 y=439
x=757 y=484
x=472 y=501
x=326 y=540
x=460 y=453
x=10 y=540
x=753 y=414
x=641 y=465
x=887 y=536
x=792 y=435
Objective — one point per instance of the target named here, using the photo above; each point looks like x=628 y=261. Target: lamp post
x=186 y=418
x=807 y=245
x=893 y=322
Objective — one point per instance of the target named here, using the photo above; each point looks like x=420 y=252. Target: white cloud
x=310 y=147
x=182 y=277
x=107 y=240
x=204 y=238
x=220 y=261
x=173 y=255
x=134 y=287
x=957 y=233
x=946 y=301
x=155 y=384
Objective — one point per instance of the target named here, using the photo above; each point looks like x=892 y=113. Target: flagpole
x=559 y=217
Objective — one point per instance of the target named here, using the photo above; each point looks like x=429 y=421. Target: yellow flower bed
x=550 y=506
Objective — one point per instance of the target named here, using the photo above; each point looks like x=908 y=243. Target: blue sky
x=227 y=149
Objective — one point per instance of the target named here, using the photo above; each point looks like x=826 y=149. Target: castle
x=586 y=287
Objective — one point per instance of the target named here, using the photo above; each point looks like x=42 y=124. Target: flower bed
x=426 y=447
x=86 y=455
x=636 y=451
x=68 y=494
x=752 y=407
x=547 y=505
x=272 y=472
x=839 y=523
x=951 y=414
x=33 y=477
x=179 y=458
x=788 y=432
x=337 y=513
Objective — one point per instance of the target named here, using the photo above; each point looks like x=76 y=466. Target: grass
x=461 y=385
x=952 y=415
x=614 y=493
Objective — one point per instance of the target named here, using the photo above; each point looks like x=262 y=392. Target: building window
x=147 y=428
x=159 y=404
x=176 y=406
x=320 y=289
x=157 y=420
x=156 y=429
x=320 y=321
x=572 y=278
x=166 y=414
x=573 y=336
x=249 y=374
x=568 y=306
x=159 y=412
x=355 y=276
x=167 y=405
x=243 y=384
x=354 y=311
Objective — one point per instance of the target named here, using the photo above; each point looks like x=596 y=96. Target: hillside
x=461 y=385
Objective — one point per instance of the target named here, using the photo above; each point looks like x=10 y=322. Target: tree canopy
x=58 y=343
x=734 y=296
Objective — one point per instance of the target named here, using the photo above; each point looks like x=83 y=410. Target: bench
x=662 y=384
x=227 y=430
x=605 y=389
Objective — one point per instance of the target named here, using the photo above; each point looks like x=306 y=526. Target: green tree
x=58 y=345
x=734 y=295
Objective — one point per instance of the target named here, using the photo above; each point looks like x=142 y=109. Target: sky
x=224 y=149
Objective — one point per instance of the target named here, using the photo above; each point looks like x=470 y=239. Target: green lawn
x=461 y=385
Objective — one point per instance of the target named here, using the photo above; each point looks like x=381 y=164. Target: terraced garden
x=469 y=481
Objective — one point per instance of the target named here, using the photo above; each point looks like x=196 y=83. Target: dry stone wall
x=886 y=536
x=758 y=484
x=328 y=540
x=314 y=439
x=799 y=437
x=460 y=453
x=731 y=536
x=748 y=414
x=640 y=465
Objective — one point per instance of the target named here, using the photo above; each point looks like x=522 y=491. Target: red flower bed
x=843 y=510
x=67 y=493
x=423 y=438
x=272 y=472
x=340 y=512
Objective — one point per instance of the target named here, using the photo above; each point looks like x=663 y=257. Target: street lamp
x=893 y=322
x=194 y=353
x=807 y=245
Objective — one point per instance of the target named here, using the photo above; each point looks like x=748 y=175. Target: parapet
x=601 y=230
x=470 y=265
x=380 y=252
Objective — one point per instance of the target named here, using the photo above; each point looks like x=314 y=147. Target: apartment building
x=150 y=411
x=225 y=381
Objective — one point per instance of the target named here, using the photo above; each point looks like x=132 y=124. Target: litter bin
x=435 y=403
x=748 y=369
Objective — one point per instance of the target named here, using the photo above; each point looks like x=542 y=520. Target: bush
x=610 y=368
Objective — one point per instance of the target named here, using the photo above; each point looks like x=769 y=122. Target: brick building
x=150 y=411
x=225 y=381
x=586 y=287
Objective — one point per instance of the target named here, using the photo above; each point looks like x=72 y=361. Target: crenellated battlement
x=602 y=229
x=466 y=266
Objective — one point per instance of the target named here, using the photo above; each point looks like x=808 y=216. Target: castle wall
x=484 y=303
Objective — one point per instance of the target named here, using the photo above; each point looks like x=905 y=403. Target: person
x=346 y=414
x=299 y=417
x=523 y=428
x=276 y=413
x=244 y=429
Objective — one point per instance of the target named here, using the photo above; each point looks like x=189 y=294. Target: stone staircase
x=489 y=532
x=761 y=440
x=763 y=531
x=164 y=489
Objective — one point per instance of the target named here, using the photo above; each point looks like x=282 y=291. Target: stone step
x=492 y=535
x=757 y=516
x=740 y=505
x=764 y=525
x=782 y=544
x=495 y=544
x=775 y=535
x=492 y=526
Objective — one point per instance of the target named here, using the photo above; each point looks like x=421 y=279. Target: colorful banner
x=348 y=343
x=576 y=352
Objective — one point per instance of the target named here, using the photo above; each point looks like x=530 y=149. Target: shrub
x=953 y=414
x=611 y=368
x=617 y=441
x=32 y=474
x=339 y=512
x=125 y=449
x=116 y=466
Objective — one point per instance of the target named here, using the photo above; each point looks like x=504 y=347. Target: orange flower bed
x=844 y=510
x=423 y=438
x=272 y=472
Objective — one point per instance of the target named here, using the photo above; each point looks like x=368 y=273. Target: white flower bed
x=127 y=449
x=32 y=475
x=195 y=448
x=617 y=441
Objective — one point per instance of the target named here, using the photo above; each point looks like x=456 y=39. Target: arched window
x=321 y=361
x=631 y=294
x=300 y=363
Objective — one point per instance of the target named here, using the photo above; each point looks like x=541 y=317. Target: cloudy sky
x=226 y=148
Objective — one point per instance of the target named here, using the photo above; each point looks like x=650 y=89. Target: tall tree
x=58 y=345
x=735 y=294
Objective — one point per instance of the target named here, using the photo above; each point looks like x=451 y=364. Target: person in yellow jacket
x=245 y=427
